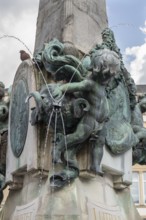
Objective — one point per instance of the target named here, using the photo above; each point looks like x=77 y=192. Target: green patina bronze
x=94 y=100
x=139 y=152
x=4 y=111
x=19 y=117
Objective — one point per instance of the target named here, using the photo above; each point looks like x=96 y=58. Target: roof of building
x=141 y=88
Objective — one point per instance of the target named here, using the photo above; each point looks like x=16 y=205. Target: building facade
x=138 y=188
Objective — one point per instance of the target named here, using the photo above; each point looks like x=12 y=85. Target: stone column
x=75 y=21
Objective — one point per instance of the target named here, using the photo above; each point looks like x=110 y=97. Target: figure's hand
x=57 y=93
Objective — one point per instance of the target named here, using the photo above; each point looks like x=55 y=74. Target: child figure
x=104 y=65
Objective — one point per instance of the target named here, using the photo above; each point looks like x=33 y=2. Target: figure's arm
x=84 y=85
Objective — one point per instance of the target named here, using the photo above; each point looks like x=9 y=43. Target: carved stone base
x=95 y=199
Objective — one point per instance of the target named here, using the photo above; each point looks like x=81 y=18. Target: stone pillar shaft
x=75 y=21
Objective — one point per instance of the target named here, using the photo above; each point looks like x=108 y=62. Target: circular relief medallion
x=19 y=117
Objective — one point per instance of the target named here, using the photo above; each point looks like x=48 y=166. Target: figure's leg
x=97 y=154
x=82 y=132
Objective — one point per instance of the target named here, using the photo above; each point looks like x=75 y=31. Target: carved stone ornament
x=19 y=117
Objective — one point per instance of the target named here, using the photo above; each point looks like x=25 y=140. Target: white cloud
x=137 y=65
x=18 y=19
x=143 y=29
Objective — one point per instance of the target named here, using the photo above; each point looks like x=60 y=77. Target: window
x=135 y=189
x=144 y=186
x=138 y=187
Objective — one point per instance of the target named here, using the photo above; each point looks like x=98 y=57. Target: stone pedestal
x=24 y=154
x=84 y=199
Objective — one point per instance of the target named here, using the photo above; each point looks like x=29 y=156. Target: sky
x=127 y=18
x=17 y=18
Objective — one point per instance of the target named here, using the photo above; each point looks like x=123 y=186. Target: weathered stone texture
x=76 y=21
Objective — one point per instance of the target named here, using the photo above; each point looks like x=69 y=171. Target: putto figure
x=105 y=64
x=92 y=105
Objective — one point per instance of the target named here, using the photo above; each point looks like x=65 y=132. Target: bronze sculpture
x=100 y=95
